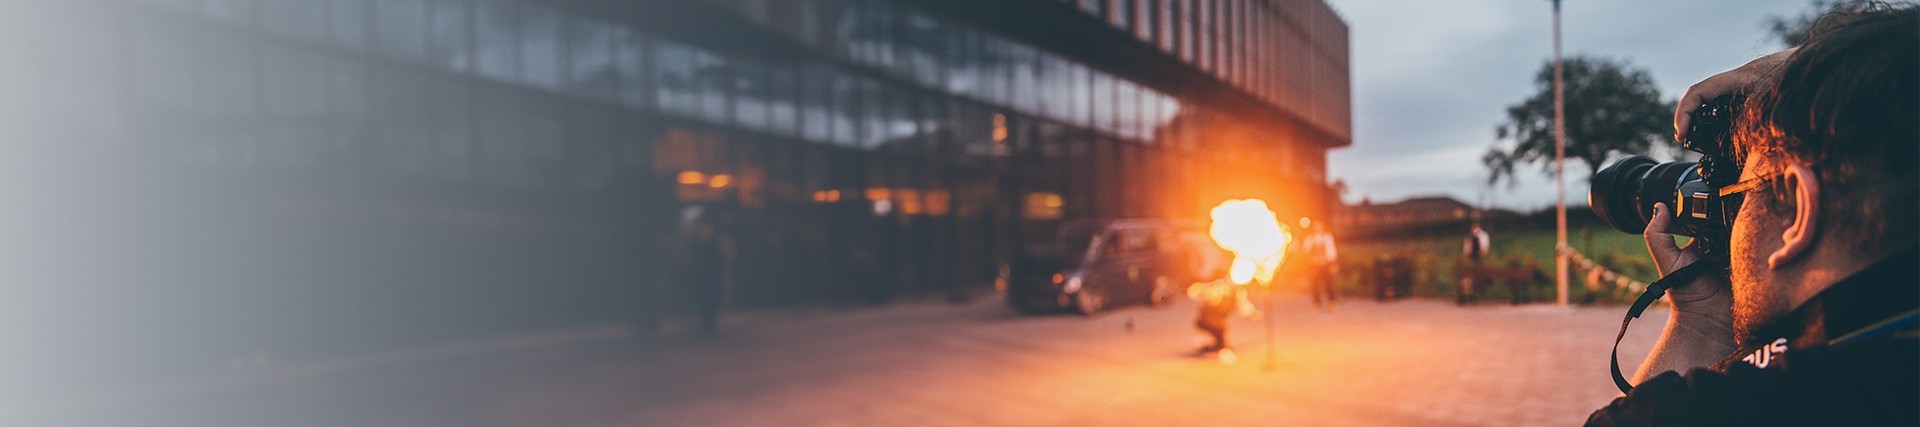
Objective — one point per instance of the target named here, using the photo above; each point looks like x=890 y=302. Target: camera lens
x=1623 y=194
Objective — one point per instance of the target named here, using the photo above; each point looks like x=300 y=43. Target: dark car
x=1092 y=265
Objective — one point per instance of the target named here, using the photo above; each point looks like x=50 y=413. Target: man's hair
x=1845 y=105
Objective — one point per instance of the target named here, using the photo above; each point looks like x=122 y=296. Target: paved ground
x=1421 y=362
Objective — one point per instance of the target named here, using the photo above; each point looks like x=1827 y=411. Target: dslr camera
x=1624 y=192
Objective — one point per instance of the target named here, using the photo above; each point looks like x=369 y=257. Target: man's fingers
x=1659 y=242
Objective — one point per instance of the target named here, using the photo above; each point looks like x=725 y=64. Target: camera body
x=1623 y=193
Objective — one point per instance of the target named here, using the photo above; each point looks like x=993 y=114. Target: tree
x=1791 y=31
x=1612 y=107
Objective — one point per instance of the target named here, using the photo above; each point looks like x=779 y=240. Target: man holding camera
x=1816 y=324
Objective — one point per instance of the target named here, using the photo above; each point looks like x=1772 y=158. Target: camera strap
x=1654 y=291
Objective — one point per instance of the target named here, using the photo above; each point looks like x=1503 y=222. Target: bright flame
x=1253 y=233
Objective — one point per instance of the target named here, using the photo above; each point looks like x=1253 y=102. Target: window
x=1082 y=84
x=349 y=23
x=1117 y=11
x=447 y=36
x=229 y=11
x=816 y=105
x=1092 y=7
x=496 y=46
x=1024 y=84
x=783 y=87
x=635 y=55
x=1102 y=102
x=753 y=87
x=1143 y=20
x=592 y=73
x=1126 y=111
x=846 y=103
x=301 y=19
x=540 y=47
x=876 y=123
x=1164 y=24
x=400 y=28
x=712 y=79
x=674 y=72
x=963 y=75
x=923 y=39
x=1203 y=54
x=1054 y=93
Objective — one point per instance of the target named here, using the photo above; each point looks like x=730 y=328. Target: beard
x=1756 y=297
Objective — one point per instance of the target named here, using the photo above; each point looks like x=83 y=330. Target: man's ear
x=1797 y=239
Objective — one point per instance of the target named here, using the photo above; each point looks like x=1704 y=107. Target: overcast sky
x=1431 y=78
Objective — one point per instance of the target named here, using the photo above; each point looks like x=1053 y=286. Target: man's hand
x=1708 y=294
x=1700 y=331
x=1729 y=82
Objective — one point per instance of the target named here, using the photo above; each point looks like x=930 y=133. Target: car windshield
x=1072 y=243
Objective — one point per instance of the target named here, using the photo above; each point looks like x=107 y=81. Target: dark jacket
x=1795 y=373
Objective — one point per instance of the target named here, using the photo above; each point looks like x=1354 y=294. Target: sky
x=1431 y=79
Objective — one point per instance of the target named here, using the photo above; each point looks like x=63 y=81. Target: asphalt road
x=1417 y=362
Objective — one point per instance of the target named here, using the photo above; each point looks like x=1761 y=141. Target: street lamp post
x=1559 y=168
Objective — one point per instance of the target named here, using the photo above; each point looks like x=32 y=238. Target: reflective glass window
x=496 y=39
x=1205 y=29
x=1126 y=109
x=1103 y=101
x=1143 y=20
x=301 y=19
x=540 y=46
x=1163 y=24
x=229 y=11
x=783 y=84
x=923 y=42
x=349 y=20
x=592 y=72
x=674 y=73
x=846 y=104
x=1025 y=83
x=964 y=62
x=1055 y=93
x=1117 y=13
x=636 y=86
x=711 y=83
x=753 y=91
x=447 y=34
x=876 y=121
x=400 y=28
x=816 y=104
x=999 y=74
x=1082 y=83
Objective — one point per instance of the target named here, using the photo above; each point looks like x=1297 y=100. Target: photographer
x=1816 y=324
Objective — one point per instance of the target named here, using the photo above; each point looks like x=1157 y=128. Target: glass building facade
x=521 y=148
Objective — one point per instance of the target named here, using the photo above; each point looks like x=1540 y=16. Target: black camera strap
x=1655 y=290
